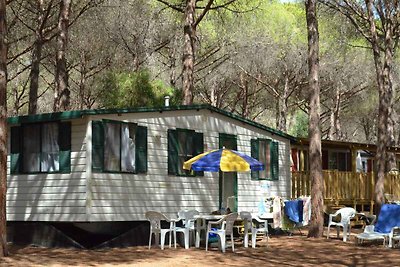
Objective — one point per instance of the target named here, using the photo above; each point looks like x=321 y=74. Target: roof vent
x=166 y=100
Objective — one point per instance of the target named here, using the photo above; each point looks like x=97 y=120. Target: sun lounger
x=370 y=235
x=388 y=218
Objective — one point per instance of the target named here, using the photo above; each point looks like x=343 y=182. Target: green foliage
x=161 y=90
x=300 y=126
x=284 y=23
x=133 y=89
x=338 y=35
x=122 y=89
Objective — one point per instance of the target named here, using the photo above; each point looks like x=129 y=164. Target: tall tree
x=379 y=23
x=191 y=22
x=42 y=30
x=62 y=92
x=189 y=32
x=39 y=19
x=317 y=200
x=270 y=81
x=3 y=128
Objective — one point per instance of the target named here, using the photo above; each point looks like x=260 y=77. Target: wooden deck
x=347 y=188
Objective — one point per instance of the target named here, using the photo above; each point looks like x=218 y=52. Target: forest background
x=251 y=59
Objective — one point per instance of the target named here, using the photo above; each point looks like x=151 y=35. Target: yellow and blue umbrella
x=225 y=160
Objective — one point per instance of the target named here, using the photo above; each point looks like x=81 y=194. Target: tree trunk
x=15 y=109
x=3 y=129
x=244 y=95
x=172 y=64
x=34 y=74
x=317 y=201
x=189 y=52
x=18 y=95
x=62 y=94
x=391 y=157
x=383 y=70
x=331 y=132
x=82 y=80
x=35 y=61
x=368 y=128
x=283 y=106
x=213 y=94
x=335 y=132
x=338 y=128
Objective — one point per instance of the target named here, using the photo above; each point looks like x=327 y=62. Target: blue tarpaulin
x=294 y=210
x=388 y=218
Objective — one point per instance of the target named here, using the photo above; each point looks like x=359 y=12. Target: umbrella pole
x=223 y=195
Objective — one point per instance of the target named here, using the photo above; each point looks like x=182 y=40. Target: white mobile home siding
x=86 y=196
x=51 y=196
x=120 y=197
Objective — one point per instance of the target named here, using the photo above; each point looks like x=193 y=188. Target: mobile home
x=106 y=167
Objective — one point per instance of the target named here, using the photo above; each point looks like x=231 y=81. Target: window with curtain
x=185 y=149
x=183 y=144
x=264 y=156
x=119 y=147
x=128 y=147
x=266 y=151
x=40 y=148
x=31 y=148
x=50 y=149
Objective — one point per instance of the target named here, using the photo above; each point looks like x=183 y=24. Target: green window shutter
x=141 y=149
x=64 y=137
x=198 y=141
x=16 y=146
x=274 y=160
x=172 y=152
x=255 y=175
x=97 y=145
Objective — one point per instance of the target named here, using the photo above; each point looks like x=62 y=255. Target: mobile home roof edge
x=75 y=114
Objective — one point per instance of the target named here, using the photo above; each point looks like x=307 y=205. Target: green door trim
x=222 y=138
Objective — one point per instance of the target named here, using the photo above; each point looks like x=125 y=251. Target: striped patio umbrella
x=225 y=160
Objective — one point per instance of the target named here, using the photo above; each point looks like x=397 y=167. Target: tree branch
x=204 y=12
x=174 y=7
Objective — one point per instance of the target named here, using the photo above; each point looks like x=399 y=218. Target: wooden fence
x=347 y=188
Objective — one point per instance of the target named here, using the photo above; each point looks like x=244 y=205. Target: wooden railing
x=346 y=187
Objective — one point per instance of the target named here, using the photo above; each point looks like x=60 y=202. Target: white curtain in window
x=264 y=157
x=50 y=149
x=112 y=146
x=128 y=148
x=31 y=148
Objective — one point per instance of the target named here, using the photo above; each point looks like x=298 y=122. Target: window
x=332 y=160
x=119 y=147
x=183 y=144
x=340 y=161
x=266 y=151
x=41 y=148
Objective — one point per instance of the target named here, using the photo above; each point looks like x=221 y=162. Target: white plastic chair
x=155 y=219
x=226 y=229
x=394 y=237
x=370 y=234
x=345 y=216
x=200 y=226
x=187 y=217
x=248 y=226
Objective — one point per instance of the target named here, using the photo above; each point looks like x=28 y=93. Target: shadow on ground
x=283 y=250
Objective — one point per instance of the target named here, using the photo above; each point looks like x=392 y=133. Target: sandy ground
x=282 y=250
